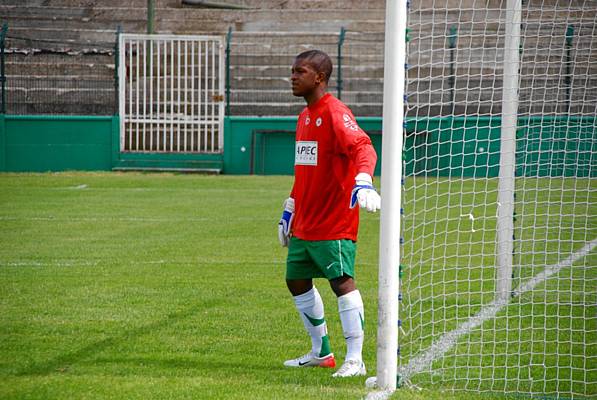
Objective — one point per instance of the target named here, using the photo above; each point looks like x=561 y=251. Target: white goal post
x=392 y=143
x=488 y=230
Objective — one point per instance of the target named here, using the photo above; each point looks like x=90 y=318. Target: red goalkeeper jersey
x=331 y=149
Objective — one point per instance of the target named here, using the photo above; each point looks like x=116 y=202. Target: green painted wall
x=464 y=146
x=557 y=146
x=237 y=142
x=447 y=146
x=440 y=146
x=56 y=143
x=167 y=161
x=248 y=150
x=86 y=143
x=436 y=146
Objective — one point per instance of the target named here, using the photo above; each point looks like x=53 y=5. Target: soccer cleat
x=351 y=368
x=310 y=360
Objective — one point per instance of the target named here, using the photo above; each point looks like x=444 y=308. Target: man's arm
x=357 y=145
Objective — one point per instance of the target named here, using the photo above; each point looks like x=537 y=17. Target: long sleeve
x=354 y=142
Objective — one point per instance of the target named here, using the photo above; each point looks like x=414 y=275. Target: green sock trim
x=325 y=346
x=315 y=321
x=362 y=322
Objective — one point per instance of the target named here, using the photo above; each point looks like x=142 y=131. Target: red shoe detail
x=328 y=363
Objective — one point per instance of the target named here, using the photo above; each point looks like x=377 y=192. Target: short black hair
x=319 y=60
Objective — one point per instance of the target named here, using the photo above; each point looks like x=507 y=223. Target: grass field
x=137 y=286
x=544 y=342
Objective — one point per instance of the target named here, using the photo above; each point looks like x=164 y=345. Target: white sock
x=310 y=308
x=352 y=315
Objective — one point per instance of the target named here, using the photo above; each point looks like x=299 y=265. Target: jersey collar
x=319 y=103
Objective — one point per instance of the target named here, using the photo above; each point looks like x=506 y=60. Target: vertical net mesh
x=455 y=331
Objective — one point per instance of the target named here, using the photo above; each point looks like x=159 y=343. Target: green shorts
x=328 y=259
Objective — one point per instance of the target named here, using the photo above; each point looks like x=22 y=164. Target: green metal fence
x=57 y=77
x=2 y=69
x=258 y=69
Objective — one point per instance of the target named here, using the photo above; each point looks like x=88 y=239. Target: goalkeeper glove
x=364 y=193
x=286 y=222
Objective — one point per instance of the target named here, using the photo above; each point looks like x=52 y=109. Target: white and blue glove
x=365 y=194
x=286 y=222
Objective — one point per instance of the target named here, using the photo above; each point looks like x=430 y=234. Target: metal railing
x=171 y=93
x=57 y=77
x=46 y=76
x=2 y=71
x=258 y=69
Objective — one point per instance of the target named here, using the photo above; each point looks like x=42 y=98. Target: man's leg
x=299 y=286
x=352 y=316
x=310 y=307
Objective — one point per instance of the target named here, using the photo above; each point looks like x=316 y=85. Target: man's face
x=304 y=78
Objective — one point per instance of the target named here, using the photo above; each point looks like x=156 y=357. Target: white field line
x=117 y=218
x=202 y=190
x=57 y=263
x=446 y=342
x=95 y=263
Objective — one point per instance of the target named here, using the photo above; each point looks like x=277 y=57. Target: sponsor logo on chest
x=305 y=153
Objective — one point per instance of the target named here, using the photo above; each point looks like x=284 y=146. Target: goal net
x=498 y=275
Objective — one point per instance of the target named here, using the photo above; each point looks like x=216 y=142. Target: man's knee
x=299 y=286
x=343 y=285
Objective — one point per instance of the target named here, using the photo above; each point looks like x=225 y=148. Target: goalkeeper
x=334 y=163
